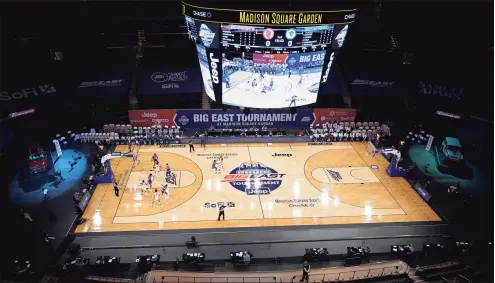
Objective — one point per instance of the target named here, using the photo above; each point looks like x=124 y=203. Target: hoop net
x=370 y=147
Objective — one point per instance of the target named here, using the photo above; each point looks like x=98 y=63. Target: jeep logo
x=325 y=77
x=214 y=69
x=149 y=115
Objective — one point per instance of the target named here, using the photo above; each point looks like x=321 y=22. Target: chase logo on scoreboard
x=254 y=178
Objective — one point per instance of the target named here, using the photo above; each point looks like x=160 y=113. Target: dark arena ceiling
x=91 y=31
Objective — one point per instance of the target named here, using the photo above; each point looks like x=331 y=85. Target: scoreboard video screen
x=249 y=63
x=262 y=37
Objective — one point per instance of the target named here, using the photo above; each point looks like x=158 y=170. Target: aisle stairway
x=204 y=100
x=343 y=83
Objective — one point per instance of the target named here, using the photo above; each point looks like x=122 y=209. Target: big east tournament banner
x=208 y=119
x=294 y=61
x=167 y=81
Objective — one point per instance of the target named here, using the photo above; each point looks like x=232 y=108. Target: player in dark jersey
x=227 y=82
x=293 y=100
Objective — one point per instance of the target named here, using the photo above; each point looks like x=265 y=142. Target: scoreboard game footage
x=265 y=59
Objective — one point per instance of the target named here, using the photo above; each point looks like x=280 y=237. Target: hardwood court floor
x=299 y=185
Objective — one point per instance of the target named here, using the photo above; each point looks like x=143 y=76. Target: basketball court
x=261 y=185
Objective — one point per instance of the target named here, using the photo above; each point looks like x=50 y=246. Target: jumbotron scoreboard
x=247 y=37
x=265 y=59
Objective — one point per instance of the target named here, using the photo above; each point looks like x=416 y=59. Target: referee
x=221 y=212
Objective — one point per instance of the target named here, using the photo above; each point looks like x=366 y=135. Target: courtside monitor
x=265 y=58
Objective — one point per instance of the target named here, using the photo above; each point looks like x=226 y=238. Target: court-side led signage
x=21 y=113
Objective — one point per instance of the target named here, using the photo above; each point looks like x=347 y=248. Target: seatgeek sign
x=159 y=81
x=211 y=119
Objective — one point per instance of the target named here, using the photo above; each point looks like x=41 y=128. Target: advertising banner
x=169 y=81
x=108 y=84
x=21 y=113
x=207 y=119
x=305 y=60
x=205 y=71
x=438 y=90
x=269 y=58
x=26 y=93
x=323 y=115
x=366 y=87
x=271 y=18
x=148 y=118
x=214 y=57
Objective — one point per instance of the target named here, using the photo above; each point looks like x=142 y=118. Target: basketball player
x=144 y=187
x=168 y=170
x=154 y=158
x=227 y=82
x=299 y=83
x=293 y=100
x=156 y=198
x=214 y=166
x=263 y=89
x=136 y=159
x=165 y=191
x=220 y=163
x=191 y=146
x=157 y=168
x=150 y=180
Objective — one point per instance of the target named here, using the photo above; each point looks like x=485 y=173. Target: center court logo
x=254 y=178
x=335 y=175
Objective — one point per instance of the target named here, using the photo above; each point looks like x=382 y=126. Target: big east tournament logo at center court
x=254 y=178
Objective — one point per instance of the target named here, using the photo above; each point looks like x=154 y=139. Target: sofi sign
x=27 y=92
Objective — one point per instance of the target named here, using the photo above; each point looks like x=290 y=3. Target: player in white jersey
x=248 y=85
x=220 y=163
x=144 y=187
x=300 y=82
x=156 y=197
x=157 y=168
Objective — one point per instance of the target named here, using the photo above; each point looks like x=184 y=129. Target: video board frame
x=235 y=40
